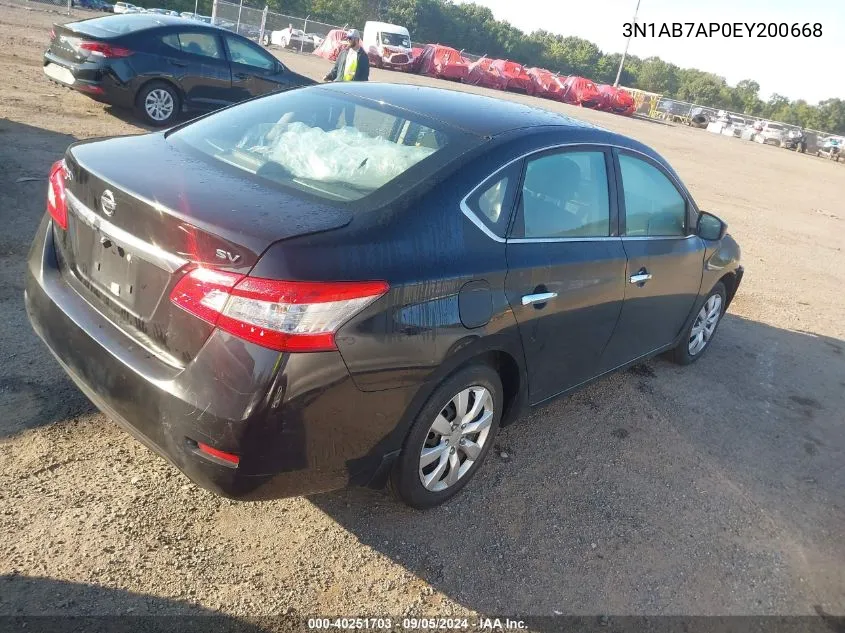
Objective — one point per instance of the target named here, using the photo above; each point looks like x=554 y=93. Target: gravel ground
x=713 y=489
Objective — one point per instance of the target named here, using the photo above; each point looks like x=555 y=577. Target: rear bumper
x=297 y=421
x=95 y=80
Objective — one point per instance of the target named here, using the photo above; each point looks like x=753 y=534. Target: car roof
x=477 y=114
x=134 y=22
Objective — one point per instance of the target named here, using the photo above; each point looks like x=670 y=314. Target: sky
x=799 y=68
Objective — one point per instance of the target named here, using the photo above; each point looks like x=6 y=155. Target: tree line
x=473 y=28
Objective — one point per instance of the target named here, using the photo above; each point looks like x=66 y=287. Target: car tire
x=697 y=337
x=159 y=104
x=449 y=464
x=266 y=40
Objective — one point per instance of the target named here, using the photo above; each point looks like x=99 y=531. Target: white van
x=387 y=45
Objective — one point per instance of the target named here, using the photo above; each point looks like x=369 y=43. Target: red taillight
x=288 y=316
x=94 y=90
x=226 y=457
x=101 y=49
x=56 y=201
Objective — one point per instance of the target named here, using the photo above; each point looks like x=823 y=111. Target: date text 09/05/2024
x=721 y=29
x=417 y=624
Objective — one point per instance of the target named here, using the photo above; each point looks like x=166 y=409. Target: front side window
x=565 y=195
x=332 y=146
x=201 y=44
x=243 y=53
x=653 y=206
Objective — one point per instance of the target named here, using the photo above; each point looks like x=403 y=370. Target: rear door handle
x=541 y=297
x=640 y=277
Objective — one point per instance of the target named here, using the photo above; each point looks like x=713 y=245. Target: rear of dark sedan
x=145 y=288
x=91 y=60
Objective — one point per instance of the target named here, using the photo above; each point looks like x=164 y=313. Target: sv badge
x=232 y=258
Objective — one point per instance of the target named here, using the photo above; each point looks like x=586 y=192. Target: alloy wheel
x=705 y=324
x=159 y=105
x=456 y=438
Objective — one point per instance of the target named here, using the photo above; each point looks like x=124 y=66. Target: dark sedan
x=359 y=283
x=162 y=65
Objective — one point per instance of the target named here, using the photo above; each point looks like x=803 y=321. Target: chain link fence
x=258 y=24
x=67 y=7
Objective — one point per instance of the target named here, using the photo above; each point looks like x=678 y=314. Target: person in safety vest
x=352 y=63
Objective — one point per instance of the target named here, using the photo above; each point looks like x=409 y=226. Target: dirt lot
x=713 y=489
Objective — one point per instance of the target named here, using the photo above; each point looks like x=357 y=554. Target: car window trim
x=613 y=214
x=690 y=210
x=513 y=191
x=615 y=187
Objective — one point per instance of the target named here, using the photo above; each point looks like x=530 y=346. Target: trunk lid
x=65 y=40
x=142 y=212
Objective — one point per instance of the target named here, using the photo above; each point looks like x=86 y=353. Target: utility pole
x=627 y=44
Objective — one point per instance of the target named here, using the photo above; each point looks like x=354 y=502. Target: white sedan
x=290 y=38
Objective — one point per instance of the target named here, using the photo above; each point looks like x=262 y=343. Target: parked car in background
x=161 y=65
x=223 y=24
x=794 y=139
x=356 y=282
x=125 y=7
x=94 y=5
x=317 y=39
x=196 y=16
x=769 y=133
x=290 y=37
x=831 y=148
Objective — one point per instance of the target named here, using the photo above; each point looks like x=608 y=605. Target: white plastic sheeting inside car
x=344 y=155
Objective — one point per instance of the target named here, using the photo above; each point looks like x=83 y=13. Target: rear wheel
x=158 y=103
x=697 y=338
x=450 y=438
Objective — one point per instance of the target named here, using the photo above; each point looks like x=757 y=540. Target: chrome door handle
x=538 y=298
x=640 y=278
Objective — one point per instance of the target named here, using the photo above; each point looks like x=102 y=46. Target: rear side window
x=171 y=43
x=565 y=195
x=244 y=53
x=201 y=44
x=653 y=206
x=493 y=201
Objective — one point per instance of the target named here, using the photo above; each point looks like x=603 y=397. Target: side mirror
x=710 y=227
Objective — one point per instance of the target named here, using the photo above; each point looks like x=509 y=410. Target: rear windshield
x=113 y=25
x=325 y=143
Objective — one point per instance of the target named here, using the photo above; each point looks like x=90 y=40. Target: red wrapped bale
x=615 y=100
x=483 y=73
x=580 y=91
x=443 y=62
x=546 y=83
x=516 y=77
x=331 y=46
